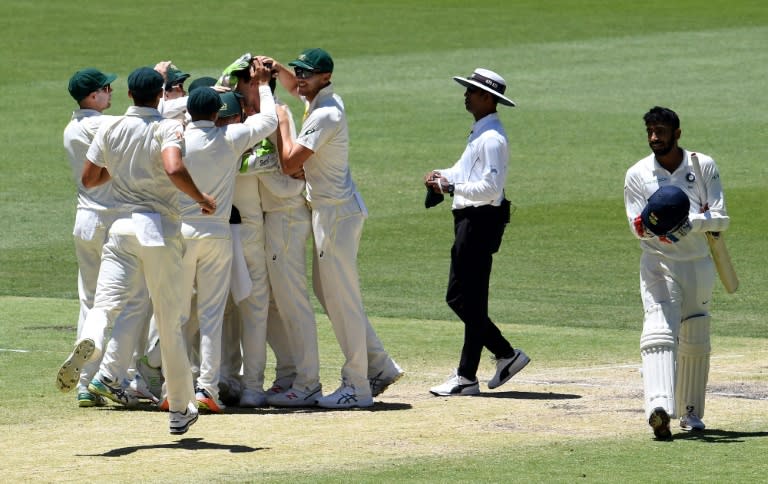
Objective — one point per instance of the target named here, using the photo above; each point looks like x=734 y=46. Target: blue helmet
x=666 y=209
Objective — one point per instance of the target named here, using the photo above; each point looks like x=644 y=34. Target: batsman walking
x=667 y=212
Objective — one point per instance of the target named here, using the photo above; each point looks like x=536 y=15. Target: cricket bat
x=717 y=247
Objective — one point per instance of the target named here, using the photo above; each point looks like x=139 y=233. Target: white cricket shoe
x=69 y=373
x=252 y=399
x=506 y=368
x=181 y=421
x=280 y=385
x=382 y=380
x=691 y=421
x=346 y=396
x=456 y=385
x=295 y=398
x=152 y=376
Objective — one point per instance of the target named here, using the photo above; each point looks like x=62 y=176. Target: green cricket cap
x=88 y=80
x=315 y=60
x=145 y=80
x=203 y=102
x=201 y=82
x=174 y=76
x=230 y=104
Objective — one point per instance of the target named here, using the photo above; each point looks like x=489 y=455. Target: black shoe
x=659 y=422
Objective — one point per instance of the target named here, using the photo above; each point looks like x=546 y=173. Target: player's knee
x=657 y=330
x=694 y=336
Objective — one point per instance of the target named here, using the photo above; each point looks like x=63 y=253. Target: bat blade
x=723 y=263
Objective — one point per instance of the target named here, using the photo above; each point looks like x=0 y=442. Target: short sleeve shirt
x=325 y=132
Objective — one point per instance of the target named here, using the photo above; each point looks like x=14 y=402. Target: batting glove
x=640 y=229
x=679 y=232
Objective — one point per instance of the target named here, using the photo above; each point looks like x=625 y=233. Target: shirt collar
x=142 y=111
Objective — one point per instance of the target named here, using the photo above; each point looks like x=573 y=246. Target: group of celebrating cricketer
x=194 y=210
x=193 y=214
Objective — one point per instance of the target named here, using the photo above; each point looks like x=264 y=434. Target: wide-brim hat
x=487 y=81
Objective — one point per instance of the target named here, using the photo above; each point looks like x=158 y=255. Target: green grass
x=565 y=281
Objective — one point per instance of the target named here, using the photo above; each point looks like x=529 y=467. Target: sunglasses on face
x=303 y=73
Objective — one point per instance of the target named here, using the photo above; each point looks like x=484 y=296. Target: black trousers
x=478 y=233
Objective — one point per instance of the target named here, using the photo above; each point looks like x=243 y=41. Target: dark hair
x=659 y=115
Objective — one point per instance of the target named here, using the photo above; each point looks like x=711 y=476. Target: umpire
x=480 y=213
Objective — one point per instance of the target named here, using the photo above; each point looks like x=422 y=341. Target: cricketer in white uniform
x=95 y=210
x=320 y=153
x=141 y=153
x=213 y=159
x=676 y=276
x=291 y=326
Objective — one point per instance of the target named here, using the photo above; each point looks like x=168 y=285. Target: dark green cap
x=88 y=80
x=174 y=76
x=201 y=82
x=146 y=81
x=230 y=104
x=315 y=60
x=203 y=102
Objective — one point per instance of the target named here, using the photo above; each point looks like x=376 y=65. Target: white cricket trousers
x=337 y=230
x=254 y=309
x=126 y=264
x=206 y=266
x=674 y=293
x=292 y=330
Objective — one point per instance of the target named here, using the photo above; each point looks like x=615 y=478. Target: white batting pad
x=694 y=350
x=657 y=349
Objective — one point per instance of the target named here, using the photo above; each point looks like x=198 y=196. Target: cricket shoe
x=205 y=401
x=280 y=385
x=69 y=373
x=86 y=399
x=295 y=398
x=151 y=375
x=456 y=386
x=181 y=421
x=346 y=396
x=101 y=385
x=229 y=391
x=138 y=388
x=506 y=368
x=659 y=422
x=691 y=421
x=253 y=399
x=382 y=381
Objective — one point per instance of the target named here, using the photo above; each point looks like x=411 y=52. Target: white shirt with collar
x=130 y=148
x=213 y=160
x=647 y=175
x=78 y=136
x=325 y=132
x=480 y=174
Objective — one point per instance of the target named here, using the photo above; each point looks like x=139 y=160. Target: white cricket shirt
x=480 y=174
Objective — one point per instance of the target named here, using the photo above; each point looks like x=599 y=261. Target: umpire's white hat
x=488 y=81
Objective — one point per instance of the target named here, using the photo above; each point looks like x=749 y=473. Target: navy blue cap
x=666 y=209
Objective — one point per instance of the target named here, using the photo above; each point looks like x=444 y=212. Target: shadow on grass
x=193 y=443
x=530 y=395
x=715 y=436
x=377 y=407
